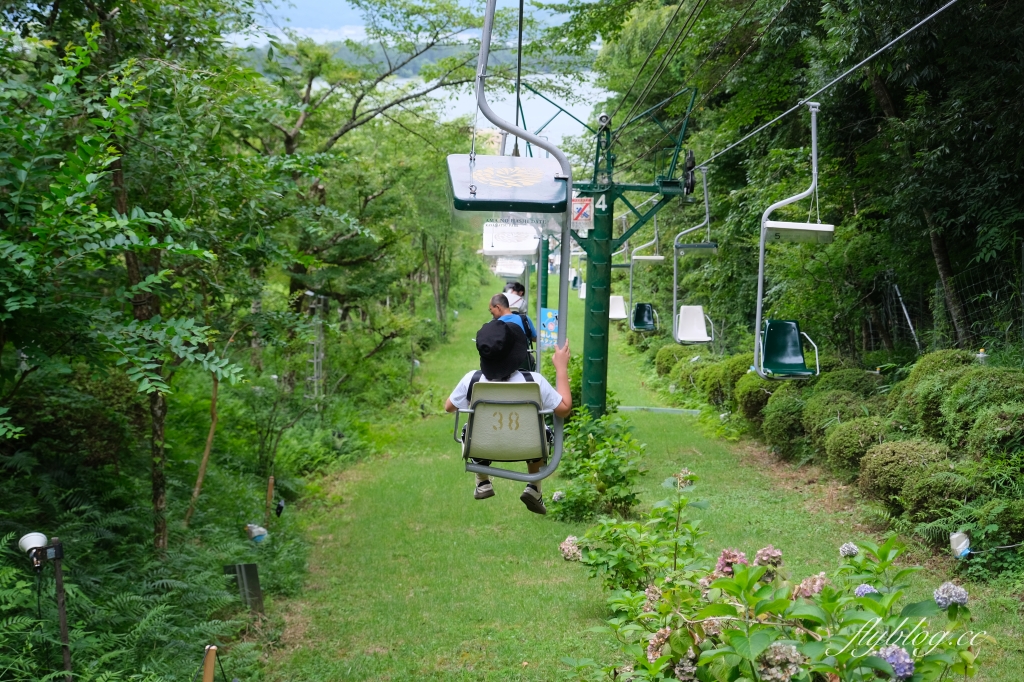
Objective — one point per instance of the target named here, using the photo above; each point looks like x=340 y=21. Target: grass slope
x=413 y=579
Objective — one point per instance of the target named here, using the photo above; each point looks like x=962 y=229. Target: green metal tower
x=600 y=243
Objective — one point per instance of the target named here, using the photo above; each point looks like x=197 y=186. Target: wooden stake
x=270 y=502
x=209 y=663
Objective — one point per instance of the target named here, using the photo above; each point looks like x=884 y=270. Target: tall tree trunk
x=876 y=320
x=206 y=452
x=144 y=307
x=953 y=303
x=158 y=412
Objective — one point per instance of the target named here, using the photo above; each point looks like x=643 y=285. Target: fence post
x=209 y=663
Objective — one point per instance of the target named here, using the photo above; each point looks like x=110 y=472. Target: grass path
x=410 y=578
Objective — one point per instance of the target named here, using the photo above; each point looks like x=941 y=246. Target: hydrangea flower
x=570 y=549
x=810 y=586
x=713 y=626
x=950 y=593
x=653 y=593
x=657 y=643
x=771 y=557
x=686 y=669
x=727 y=559
x=684 y=477
x=864 y=589
x=558 y=496
x=780 y=663
x=848 y=550
x=901 y=662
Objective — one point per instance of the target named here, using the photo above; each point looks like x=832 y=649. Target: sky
x=333 y=20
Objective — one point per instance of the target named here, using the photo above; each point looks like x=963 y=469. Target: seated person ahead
x=515 y=293
x=502 y=349
x=500 y=311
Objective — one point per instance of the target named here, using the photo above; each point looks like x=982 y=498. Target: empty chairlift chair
x=778 y=353
x=688 y=324
x=616 y=308
x=643 y=317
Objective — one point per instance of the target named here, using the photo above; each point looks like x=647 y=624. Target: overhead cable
x=835 y=80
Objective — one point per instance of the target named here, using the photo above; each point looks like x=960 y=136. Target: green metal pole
x=595 y=321
x=542 y=273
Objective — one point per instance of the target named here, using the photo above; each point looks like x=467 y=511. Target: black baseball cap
x=503 y=349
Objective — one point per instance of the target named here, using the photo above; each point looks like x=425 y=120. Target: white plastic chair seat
x=506 y=423
x=616 y=308
x=583 y=289
x=649 y=258
x=691 y=325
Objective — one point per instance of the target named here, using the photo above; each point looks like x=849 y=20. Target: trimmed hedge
x=751 y=395
x=977 y=388
x=925 y=401
x=857 y=381
x=828 y=409
x=998 y=431
x=886 y=468
x=901 y=398
x=668 y=356
x=716 y=380
x=932 y=494
x=848 y=442
x=782 y=426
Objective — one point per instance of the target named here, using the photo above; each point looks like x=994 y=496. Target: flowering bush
x=602 y=467
x=682 y=614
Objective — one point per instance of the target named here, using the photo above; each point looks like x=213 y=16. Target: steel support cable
x=684 y=32
x=753 y=43
x=648 y=58
x=835 y=80
x=519 y=76
x=814 y=94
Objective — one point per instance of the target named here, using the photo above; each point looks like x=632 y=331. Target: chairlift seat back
x=507 y=423
x=691 y=325
x=783 y=353
x=616 y=308
x=583 y=290
x=643 y=318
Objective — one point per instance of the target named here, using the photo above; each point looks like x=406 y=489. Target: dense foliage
x=680 y=614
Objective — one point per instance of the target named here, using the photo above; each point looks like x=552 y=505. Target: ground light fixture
x=40 y=551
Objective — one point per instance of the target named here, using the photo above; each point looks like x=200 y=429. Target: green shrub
x=684 y=372
x=998 y=430
x=849 y=441
x=924 y=401
x=901 y=402
x=787 y=389
x=977 y=388
x=782 y=426
x=826 y=410
x=886 y=468
x=936 y=490
x=857 y=381
x=670 y=355
x=716 y=381
x=601 y=463
x=752 y=394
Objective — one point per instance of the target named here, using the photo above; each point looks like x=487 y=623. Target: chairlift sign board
x=582 y=215
x=510 y=239
x=548 y=328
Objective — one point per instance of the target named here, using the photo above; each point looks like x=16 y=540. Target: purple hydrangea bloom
x=865 y=589
x=901 y=662
x=950 y=593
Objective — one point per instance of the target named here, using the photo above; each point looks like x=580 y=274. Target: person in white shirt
x=502 y=347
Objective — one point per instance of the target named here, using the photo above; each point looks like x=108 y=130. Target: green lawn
x=410 y=578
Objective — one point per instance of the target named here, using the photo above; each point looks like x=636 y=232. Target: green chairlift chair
x=521 y=190
x=778 y=353
x=642 y=316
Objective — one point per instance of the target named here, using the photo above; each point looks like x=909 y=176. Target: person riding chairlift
x=502 y=349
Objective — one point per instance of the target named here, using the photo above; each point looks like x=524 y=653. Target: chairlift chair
x=688 y=321
x=778 y=352
x=527 y=190
x=643 y=317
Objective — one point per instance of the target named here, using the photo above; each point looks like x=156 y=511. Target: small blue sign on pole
x=548 y=328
